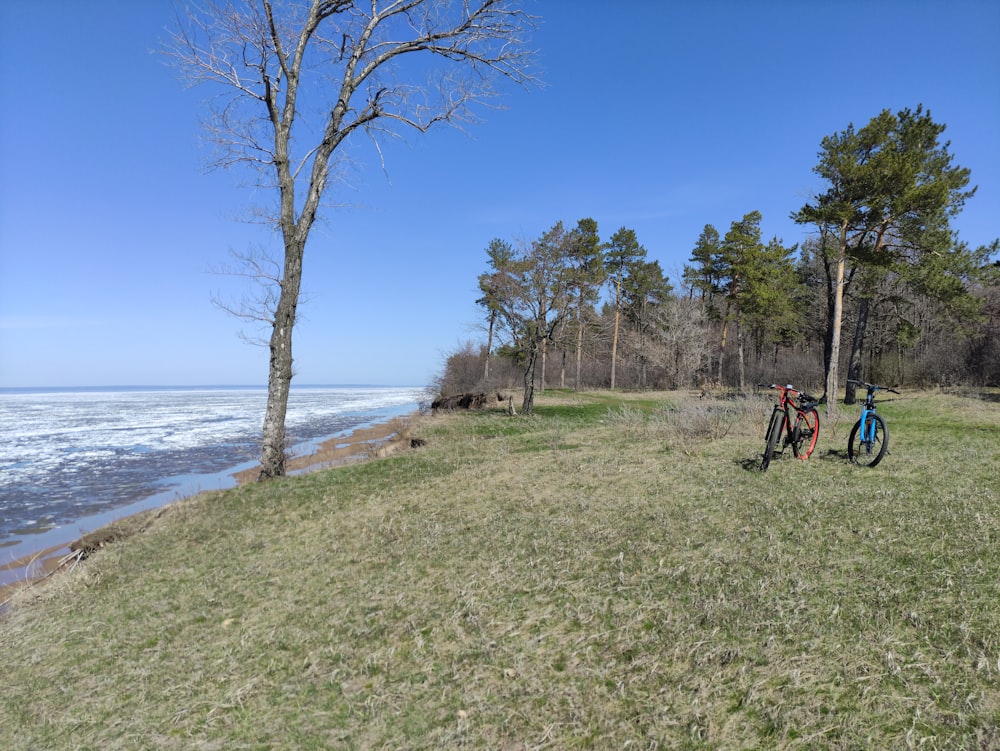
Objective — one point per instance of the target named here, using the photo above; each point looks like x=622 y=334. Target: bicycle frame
x=868 y=442
x=797 y=430
x=786 y=402
x=867 y=424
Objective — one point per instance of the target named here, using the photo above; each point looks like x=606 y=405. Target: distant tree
x=702 y=276
x=982 y=359
x=704 y=279
x=892 y=190
x=772 y=301
x=301 y=78
x=682 y=329
x=531 y=296
x=739 y=260
x=500 y=254
x=621 y=254
x=927 y=320
x=461 y=372
x=932 y=268
x=551 y=276
x=644 y=290
x=586 y=274
x=817 y=271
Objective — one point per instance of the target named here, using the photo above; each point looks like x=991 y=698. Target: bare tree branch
x=295 y=79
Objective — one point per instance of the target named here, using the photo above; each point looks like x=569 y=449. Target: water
x=72 y=461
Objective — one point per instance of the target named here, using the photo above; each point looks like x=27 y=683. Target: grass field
x=610 y=573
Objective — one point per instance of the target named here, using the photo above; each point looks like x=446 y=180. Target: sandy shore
x=379 y=439
x=371 y=441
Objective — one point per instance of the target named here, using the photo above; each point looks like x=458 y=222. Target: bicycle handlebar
x=789 y=387
x=872 y=386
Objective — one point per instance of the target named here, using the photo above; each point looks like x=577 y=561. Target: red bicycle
x=794 y=422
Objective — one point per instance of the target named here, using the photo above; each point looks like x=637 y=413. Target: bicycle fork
x=867 y=431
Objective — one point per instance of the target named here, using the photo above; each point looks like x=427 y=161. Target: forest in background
x=572 y=309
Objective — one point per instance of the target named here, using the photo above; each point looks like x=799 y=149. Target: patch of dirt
x=381 y=439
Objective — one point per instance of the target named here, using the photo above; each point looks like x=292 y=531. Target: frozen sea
x=72 y=461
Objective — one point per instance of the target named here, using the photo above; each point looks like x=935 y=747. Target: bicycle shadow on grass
x=752 y=463
x=838 y=455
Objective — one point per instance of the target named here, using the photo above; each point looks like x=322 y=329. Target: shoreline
x=363 y=442
x=383 y=437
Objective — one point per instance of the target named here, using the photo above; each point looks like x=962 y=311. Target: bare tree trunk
x=579 y=344
x=854 y=364
x=614 y=340
x=830 y=304
x=722 y=344
x=545 y=357
x=643 y=353
x=489 y=348
x=279 y=377
x=739 y=350
x=835 y=322
x=529 y=380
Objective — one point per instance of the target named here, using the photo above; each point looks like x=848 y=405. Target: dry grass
x=609 y=573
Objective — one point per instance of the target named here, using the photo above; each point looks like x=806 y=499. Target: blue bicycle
x=869 y=439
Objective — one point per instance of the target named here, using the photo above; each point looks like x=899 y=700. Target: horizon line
x=191 y=387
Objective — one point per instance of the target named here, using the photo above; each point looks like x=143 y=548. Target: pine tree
x=623 y=251
x=892 y=190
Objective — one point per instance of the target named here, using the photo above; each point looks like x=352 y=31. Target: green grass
x=610 y=572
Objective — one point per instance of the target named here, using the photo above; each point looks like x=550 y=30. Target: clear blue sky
x=656 y=115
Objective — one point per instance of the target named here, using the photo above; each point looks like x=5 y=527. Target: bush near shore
x=610 y=572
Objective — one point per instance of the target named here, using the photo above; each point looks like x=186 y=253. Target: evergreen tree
x=586 y=275
x=702 y=276
x=621 y=254
x=892 y=190
x=772 y=298
x=500 y=254
x=739 y=259
x=644 y=290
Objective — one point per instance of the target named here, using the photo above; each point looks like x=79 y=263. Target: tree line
x=883 y=290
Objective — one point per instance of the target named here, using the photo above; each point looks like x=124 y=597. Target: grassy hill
x=610 y=572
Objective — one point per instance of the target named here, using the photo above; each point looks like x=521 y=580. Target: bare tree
x=683 y=328
x=299 y=77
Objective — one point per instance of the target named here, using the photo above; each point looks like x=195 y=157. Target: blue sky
x=656 y=115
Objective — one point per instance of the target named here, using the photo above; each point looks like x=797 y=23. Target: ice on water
x=64 y=455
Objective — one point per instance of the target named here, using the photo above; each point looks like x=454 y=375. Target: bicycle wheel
x=773 y=434
x=867 y=451
x=806 y=433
